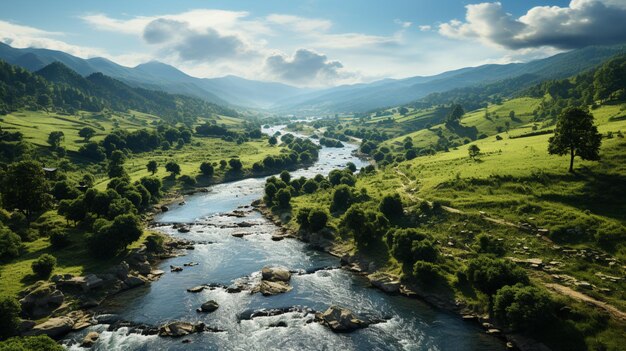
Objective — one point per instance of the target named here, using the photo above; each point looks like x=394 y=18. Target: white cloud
x=20 y=36
x=425 y=28
x=305 y=66
x=401 y=23
x=300 y=24
x=582 y=23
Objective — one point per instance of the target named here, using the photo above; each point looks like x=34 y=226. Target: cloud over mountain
x=305 y=65
x=582 y=23
x=192 y=44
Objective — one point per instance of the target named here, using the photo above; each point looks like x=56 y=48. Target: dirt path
x=588 y=299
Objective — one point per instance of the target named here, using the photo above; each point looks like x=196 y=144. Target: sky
x=313 y=43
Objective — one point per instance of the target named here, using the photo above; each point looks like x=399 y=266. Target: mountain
x=58 y=87
x=154 y=75
x=364 y=97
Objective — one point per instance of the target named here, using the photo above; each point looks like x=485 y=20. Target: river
x=410 y=324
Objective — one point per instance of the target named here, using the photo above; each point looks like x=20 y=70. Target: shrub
x=426 y=272
x=187 y=180
x=489 y=274
x=317 y=219
x=10 y=244
x=283 y=198
x=29 y=343
x=302 y=217
x=10 y=311
x=154 y=243
x=367 y=226
x=391 y=206
x=285 y=176
x=207 y=169
x=342 y=198
x=59 y=238
x=310 y=186
x=523 y=308
x=44 y=265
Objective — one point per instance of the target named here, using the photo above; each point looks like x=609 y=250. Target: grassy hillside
x=512 y=190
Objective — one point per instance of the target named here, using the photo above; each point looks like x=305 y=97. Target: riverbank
x=391 y=283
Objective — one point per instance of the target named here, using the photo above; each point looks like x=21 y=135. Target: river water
x=223 y=259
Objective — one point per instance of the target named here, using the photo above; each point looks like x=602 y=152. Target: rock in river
x=209 y=306
x=90 y=339
x=276 y=274
x=178 y=329
x=341 y=320
x=268 y=288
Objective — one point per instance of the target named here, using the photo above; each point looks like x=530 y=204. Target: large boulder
x=86 y=283
x=53 y=327
x=41 y=301
x=121 y=270
x=209 y=306
x=275 y=274
x=133 y=281
x=341 y=320
x=269 y=288
x=178 y=329
x=90 y=339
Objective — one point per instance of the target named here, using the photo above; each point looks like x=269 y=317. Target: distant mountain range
x=283 y=98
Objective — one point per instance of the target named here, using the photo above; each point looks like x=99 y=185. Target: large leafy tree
x=576 y=135
x=86 y=133
x=55 y=138
x=24 y=187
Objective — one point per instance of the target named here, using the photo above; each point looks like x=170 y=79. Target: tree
x=55 y=138
x=285 y=176
x=111 y=237
x=310 y=186
x=391 y=206
x=473 y=151
x=575 y=134
x=10 y=322
x=317 y=219
x=152 y=166
x=10 y=244
x=283 y=198
x=235 y=164
x=272 y=141
x=44 y=265
x=342 y=198
x=24 y=187
x=173 y=168
x=489 y=274
x=86 y=133
x=456 y=112
x=523 y=308
x=207 y=169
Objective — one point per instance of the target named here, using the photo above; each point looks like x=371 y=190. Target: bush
x=310 y=186
x=44 y=265
x=317 y=219
x=285 y=176
x=426 y=272
x=391 y=206
x=154 y=243
x=187 y=180
x=302 y=217
x=59 y=238
x=523 y=308
x=109 y=238
x=367 y=226
x=30 y=343
x=10 y=244
x=489 y=274
x=207 y=169
x=342 y=198
x=10 y=311
x=283 y=198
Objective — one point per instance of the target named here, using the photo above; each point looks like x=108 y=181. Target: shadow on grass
x=601 y=193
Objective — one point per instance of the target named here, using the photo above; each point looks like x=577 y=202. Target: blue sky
x=315 y=42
